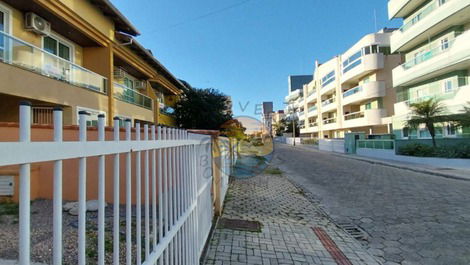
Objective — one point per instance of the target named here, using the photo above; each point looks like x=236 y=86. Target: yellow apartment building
x=352 y=92
x=80 y=55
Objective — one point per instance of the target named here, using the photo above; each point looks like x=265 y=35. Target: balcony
x=329 y=124
x=437 y=61
x=401 y=8
x=301 y=115
x=328 y=105
x=364 y=92
x=429 y=22
x=312 y=111
x=27 y=56
x=453 y=99
x=131 y=96
x=364 y=118
x=312 y=95
x=363 y=66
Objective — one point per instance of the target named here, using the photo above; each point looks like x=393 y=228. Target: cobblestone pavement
x=410 y=217
x=286 y=237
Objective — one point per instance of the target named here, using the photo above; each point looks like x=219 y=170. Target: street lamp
x=292 y=113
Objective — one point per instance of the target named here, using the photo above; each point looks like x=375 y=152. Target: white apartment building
x=435 y=42
x=294 y=101
x=352 y=92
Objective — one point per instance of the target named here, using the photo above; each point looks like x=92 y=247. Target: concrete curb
x=391 y=164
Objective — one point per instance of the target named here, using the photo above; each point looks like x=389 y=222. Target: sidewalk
x=453 y=173
x=287 y=234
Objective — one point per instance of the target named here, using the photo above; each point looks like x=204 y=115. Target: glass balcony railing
x=327 y=102
x=27 y=56
x=429 y=54
x=354 y=115
x=128 y=95
x=384 y=144
x=422 y=14
x=329 y=121
x=352 y=91
x=312 y=109
x=311 y=92
x=302 y=113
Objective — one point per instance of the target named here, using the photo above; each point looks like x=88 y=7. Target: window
x=448 y=86
x=441 y=2
x=369 y=105
x=4 y=27
x=444 y=44
x=57 y=47
x=353 y=61
x=424 y=133
x=380 y=103
x=327 y=79
x=450 y=130
x=128 y=82
x=93 y=118
x=385 y=50
x=405 y=132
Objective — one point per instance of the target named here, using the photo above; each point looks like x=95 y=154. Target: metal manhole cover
x=243 y=225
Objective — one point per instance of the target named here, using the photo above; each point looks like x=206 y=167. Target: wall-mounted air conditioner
x=37 y=24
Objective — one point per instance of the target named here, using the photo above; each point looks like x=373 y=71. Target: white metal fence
x=172 y=173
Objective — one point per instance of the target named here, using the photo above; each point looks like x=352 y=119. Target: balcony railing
x=302 y=113
x=352 y=91
x=27 y=56
x=422 y=14
x=128 y=95
x=384 y=144
x=327 y=102
x=435 y=90
x=313 y=124
x=312 y=109
x=329 y=121
x=354 y=115
x=311 y=92
x=442 y=48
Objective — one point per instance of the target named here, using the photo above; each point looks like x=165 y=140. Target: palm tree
x=428 y=112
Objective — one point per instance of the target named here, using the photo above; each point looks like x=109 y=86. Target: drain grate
x=353 y=230
x=243 y=225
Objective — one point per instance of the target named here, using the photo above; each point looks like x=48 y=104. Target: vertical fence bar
x=25 y=188
x=166 y=190
x=128 y=197
x=146 y=194
x=83 y=115
x=160 y=193
x=138 y=198
x=101 y=193
x=57 y=197
x=154 y=190
x=116 y=195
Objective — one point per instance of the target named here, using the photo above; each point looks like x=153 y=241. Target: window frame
x=93 y=113
x=63 y=41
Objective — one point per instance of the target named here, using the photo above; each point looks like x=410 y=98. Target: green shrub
x=422 y=150
x=309 y=141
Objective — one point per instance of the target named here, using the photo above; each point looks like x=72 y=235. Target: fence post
x=138 y=198
x=216 y=172
x=57 y=197
x=128 y=197
x=25 y=188
x=82 y=191
x=101 y=193
x=116 y=195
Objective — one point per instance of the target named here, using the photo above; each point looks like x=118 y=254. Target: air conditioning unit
x=139 y=84
x=119 y=73
x=37 y=24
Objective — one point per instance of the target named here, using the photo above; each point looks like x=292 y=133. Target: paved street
x=409 y=217
x=286 y=235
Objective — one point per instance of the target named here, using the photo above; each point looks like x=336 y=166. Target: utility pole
x=293 y=129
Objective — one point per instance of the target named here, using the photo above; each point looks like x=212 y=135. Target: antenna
x=375 y=19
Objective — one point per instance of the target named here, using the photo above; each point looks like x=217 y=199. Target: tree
x=289 y=126
x=202 y=108
x=279 y=127
x=234 y=129
x=428 y=112
x=462 y=119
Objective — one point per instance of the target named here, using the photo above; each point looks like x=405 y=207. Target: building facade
x=435 y=42
x=295 y=98
x=352 y=92
x=80 y=55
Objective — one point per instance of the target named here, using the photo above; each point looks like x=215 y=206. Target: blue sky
x=247 y=48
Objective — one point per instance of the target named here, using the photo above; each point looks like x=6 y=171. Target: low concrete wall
x=331 y=145
x=431 y=161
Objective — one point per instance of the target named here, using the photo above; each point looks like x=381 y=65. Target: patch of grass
x=273 y=171
x=8 y=208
